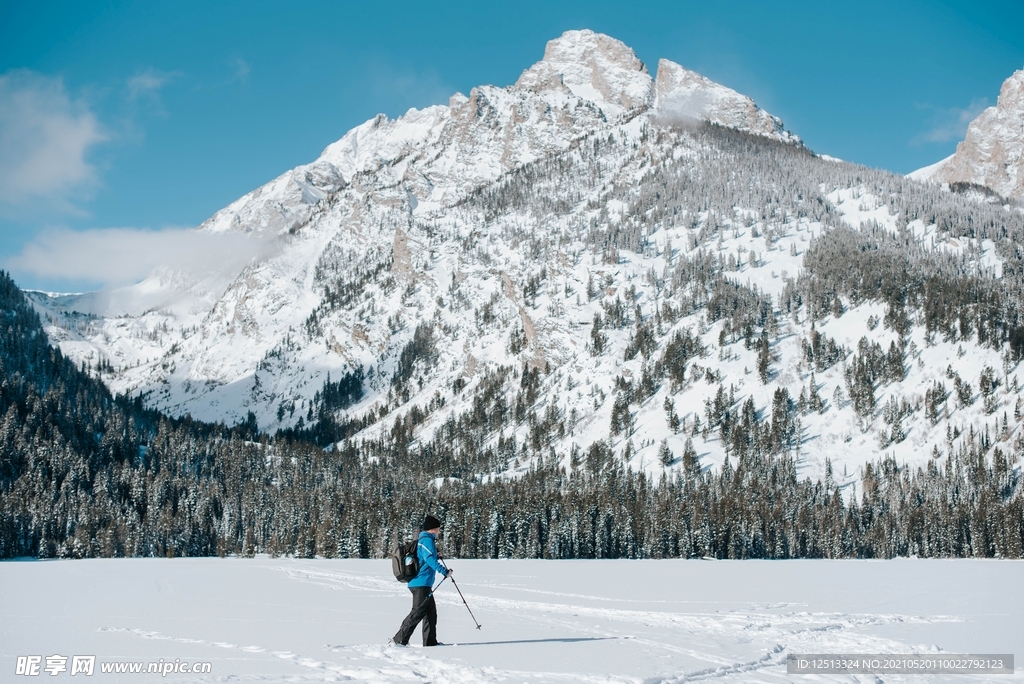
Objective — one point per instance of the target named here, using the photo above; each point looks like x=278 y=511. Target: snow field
x=291 y=620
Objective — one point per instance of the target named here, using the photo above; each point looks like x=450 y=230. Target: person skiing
x=423 y=607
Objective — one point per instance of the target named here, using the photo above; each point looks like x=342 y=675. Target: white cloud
x=112 y=257
x=951 y=124
x=45 y=138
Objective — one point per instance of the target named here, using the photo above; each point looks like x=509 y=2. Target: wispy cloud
x=112 y=257
x=950 y=124
x=238 y=70
x=240 y=67
x=45 y=140
x=148 y=83
x=408 y=87
x=144 y=98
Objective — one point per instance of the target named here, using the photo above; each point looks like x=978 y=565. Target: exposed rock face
x=992 y=154
x=281 y=204
x=686 y=95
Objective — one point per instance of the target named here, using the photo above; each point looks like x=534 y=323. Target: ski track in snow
x=802 y=631
x=647 y=622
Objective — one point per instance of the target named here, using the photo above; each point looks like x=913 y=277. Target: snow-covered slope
x=992 y=154
x=444 y=251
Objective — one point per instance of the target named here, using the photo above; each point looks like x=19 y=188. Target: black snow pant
x=423 y=608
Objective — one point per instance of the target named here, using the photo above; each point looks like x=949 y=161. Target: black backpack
x=405 y=561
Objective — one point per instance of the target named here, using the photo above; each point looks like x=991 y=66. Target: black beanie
x=430 y=522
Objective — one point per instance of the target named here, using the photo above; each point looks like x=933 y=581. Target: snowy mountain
x=992 y=154
x=591 y=255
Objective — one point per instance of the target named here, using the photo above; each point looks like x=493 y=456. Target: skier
x=423 y=607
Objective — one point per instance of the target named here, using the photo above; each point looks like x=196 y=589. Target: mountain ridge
x=608 y=263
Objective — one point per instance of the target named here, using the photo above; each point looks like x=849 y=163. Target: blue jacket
x=429 y=562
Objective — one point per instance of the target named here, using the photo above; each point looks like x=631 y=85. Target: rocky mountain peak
x=992 y=153
x=594 y=67
x=1011 y=95
x=584 y=81
x=681 y=94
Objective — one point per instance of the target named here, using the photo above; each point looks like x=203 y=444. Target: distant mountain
x=590 y=256
x=992 y=154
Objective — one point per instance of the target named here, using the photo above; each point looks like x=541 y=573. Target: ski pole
x=449 y=574
x=478 y=625
x=439 y=584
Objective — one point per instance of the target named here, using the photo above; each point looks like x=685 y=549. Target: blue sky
x=121 y=117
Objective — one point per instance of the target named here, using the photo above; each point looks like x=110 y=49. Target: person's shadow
x=565 y=640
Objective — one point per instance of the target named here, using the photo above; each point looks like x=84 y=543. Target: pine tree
x=665 y=455
x=597 y=338
x=763 y=358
